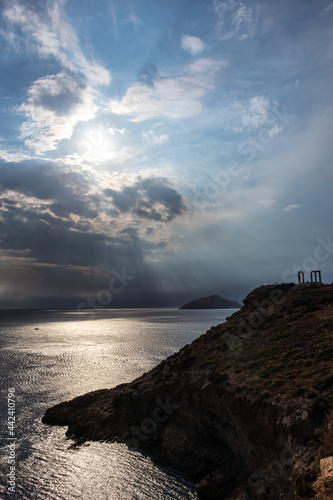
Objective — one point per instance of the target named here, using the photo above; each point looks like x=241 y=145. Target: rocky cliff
x=244 y=410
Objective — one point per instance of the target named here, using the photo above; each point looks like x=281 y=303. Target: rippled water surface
x=52 y=356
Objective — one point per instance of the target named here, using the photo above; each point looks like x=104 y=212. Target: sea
x=47 y=357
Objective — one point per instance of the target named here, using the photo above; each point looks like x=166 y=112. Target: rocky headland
x=245 y=410
x=212 y=302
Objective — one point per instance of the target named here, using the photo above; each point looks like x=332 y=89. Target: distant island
x=246 y=410
x=212 y=302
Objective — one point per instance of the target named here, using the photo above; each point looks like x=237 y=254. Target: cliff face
x=212 y=302
x=243 y=409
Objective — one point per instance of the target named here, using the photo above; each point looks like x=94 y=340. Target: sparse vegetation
x=323 y=382
x=207 y=362
x=186 y=361
x=325 y=354
x=277 y=382
x=299 y=392
x=218 y=377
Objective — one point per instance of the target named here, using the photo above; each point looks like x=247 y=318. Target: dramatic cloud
x=53 y=36
x=171 y=96
x=193 y=44
x=35 y=179
x=149 y=199
x=60 y=218
x=204 y=167
x=55 y=105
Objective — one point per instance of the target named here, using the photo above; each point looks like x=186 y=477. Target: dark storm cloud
x=150 y=198
x=51 y=243
x=39 y=235
x=58 y=93
x=78 y=207
x=33 y=178
x=42 y=181
x=48 y=233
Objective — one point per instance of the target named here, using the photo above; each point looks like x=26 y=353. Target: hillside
x=244 y=409
x=212 y=302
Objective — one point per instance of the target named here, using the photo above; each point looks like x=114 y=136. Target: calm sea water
x=53 y=356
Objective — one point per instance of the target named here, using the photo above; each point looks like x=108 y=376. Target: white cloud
x=148 y=134
x=291 y=207
x=235 y=19
x=222 y=8
x=193 y=44
x=135 y=20
x=13 y=156
x=267 y=203
x=55 y=103
x=170 y=96
x=51 y=35
x=275 y=130
x=325 y=11
x=244 y=20
x=119 y=130
x=54 y=106
x=257 y=114
x=162 y=139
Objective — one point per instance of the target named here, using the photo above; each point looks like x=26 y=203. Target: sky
x=154 y=152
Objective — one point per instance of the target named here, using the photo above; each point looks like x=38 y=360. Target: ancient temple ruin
x=315 y=277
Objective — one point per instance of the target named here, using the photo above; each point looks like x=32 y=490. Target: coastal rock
x=326 y=468
x=243 y=409
x=324 y=485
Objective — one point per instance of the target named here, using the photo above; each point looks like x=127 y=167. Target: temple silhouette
x=315 y=277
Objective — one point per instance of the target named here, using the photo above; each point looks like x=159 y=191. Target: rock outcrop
x=244 y=409
x=212 y=302
x=324 y=485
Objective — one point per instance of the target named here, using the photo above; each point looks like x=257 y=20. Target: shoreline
x=241 y=401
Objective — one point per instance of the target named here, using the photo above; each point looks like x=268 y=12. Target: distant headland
x=212 y=302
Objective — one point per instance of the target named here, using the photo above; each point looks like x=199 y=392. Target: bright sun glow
x=95 y=145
